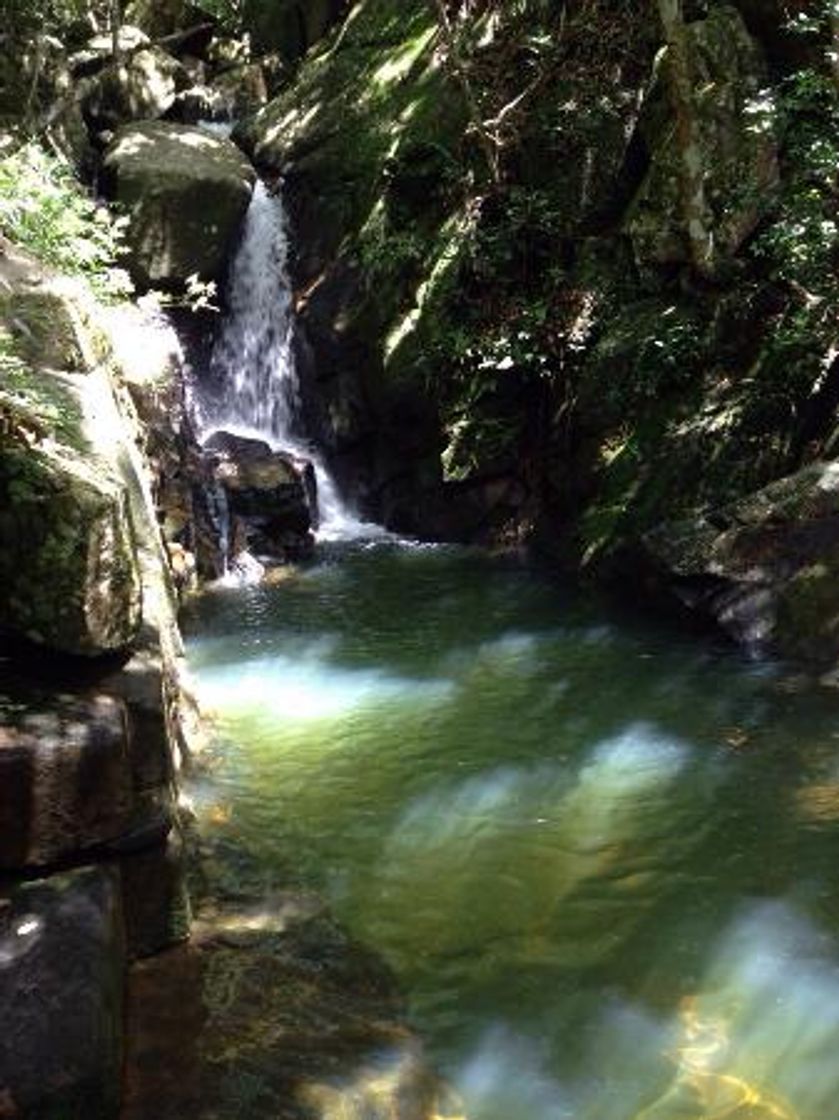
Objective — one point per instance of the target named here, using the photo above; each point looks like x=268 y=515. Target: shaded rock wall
x=534 y=356
x=94 y=705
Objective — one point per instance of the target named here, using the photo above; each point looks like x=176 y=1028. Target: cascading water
x=253 y=361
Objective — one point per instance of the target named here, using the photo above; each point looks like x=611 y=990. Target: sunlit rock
x=186 y=193
x=67 y=537
x=141 y=86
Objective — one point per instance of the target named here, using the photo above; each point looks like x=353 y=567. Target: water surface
x=601 y=860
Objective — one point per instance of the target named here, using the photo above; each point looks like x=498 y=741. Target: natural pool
x=601 y=859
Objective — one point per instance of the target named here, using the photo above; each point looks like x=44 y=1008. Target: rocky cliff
x=513 y=329
x=95 y=710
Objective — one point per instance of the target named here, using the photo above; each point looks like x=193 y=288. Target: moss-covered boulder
x=765 y=568
x=186 y=193
x=67 y=549
x=732 y=114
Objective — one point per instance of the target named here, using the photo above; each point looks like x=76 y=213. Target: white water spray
x=253 y=361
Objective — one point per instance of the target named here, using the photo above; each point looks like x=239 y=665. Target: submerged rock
x=271 y=1010
x=765 y=568
x=186 y=193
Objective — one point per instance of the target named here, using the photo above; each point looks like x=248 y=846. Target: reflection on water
x=601 y=862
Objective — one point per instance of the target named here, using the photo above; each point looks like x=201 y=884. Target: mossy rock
x=733 y=122
x=68 y=564
x=766 y=567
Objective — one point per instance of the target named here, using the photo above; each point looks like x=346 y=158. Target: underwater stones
x=733 y=122
x=61 y=996
x=765 y=568
x=186 y=193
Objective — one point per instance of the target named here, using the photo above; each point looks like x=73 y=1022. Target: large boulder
x=67 y=562
x=186 y=193
x=259 y=501
x=140 y=86
x=735 y=139
x=62 y=962
x=65 y=780
x=765 y=568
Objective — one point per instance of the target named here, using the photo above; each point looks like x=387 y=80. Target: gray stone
x=65 y=781
x=141 y=86
x=62 y=963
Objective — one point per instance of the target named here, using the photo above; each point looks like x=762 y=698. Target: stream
x=599 y=858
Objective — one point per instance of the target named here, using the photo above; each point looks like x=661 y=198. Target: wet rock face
x=61 y=996
x=765 y=568
x=186 y=193
x=268 y=499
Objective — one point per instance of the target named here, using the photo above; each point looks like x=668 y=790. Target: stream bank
x=530 y=363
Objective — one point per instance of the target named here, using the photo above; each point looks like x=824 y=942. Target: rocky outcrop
x=140 y=87
x=89 y=742
x=186 y=193
x=68 y=563
x=735 y=145
x=765 y=568
x=61 y=1049
x=256 y=501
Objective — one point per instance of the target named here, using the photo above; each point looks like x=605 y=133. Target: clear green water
x=602 y=860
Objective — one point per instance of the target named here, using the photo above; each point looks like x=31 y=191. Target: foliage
x=802 y=245
x=21 y=18
x=45 y=210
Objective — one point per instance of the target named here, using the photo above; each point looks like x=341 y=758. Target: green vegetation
x=45 y=210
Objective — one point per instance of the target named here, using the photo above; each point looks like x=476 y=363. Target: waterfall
x=253 y=360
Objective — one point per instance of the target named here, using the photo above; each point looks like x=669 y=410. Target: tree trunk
x=695 y=215
x=116 y=21
x=457 y=65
